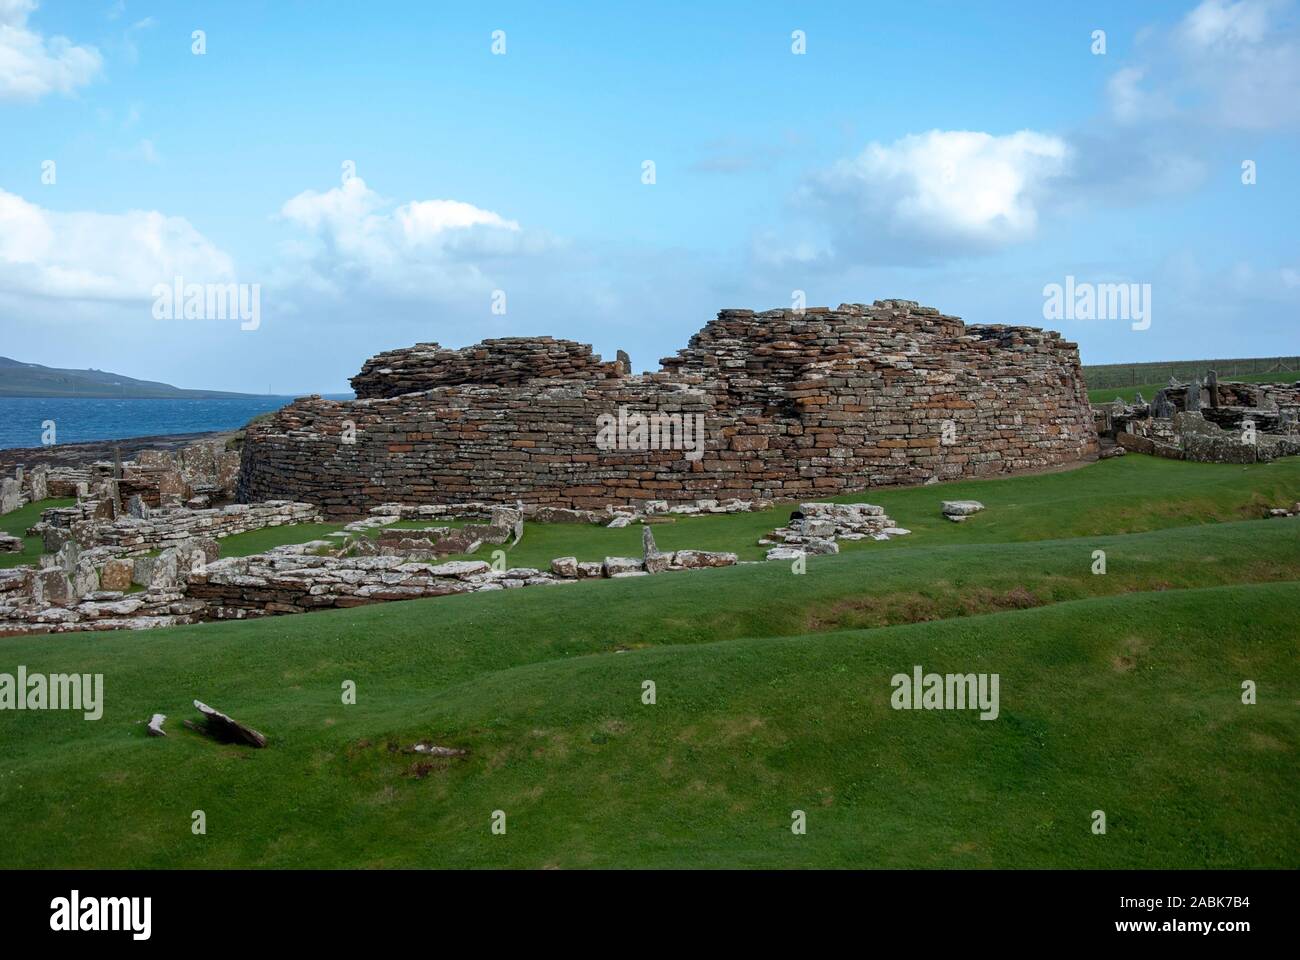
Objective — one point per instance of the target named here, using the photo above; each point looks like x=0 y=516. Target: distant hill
x=33 y=380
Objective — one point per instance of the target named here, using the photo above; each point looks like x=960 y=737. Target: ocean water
x=80 y=418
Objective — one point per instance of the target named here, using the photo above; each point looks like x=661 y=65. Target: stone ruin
x=121 y=555
x=818 y=402
x=793 y=405
x=1209 y=421
x=197 y=476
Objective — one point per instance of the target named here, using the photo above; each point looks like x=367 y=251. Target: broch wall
x=794 y=405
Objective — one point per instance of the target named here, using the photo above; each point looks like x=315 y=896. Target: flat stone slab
x=961 y=508
x=223 y=727
x=460 y=568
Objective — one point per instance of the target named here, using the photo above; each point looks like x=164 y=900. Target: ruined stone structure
x=1207 y=420
x=792 y=405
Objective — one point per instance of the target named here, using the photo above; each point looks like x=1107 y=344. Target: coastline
x=88 y=451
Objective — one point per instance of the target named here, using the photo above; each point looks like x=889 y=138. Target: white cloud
x=98 y=256
x=1219 y=24
x=422 y=248
x=937 y=193
x=1226 y=64
x=31 y=65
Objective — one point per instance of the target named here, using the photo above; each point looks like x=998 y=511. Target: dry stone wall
x=792 y=405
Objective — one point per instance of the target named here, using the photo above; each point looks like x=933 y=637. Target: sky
x=616 y=173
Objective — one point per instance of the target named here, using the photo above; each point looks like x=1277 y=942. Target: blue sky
x=964 y=155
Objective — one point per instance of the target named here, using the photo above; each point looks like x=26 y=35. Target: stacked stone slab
x=509 y=360
x=816 y=403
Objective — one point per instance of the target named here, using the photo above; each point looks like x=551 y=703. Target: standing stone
x=1193 y=396
x=85 y=579
x=166 y=570
x=1212 y=384
x=117 y=574
x=38 y=484
x=51 y=586
x=68 y=555
x=10 y=495
x=142 y=570
x=648 y=546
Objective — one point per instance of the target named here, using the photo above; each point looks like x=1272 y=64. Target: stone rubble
x=817 y=528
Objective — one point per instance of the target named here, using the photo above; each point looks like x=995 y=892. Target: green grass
x=1107 y=394
x=17 y=523
x=1119 y=692
x=1123 y=495
x=260 y=541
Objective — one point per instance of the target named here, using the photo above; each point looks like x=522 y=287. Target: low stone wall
x=164 y=528
x=288 y=582
x=792 y=405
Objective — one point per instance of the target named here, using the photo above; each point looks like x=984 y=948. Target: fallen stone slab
x=784 y=553
x=434 y=750
x=961 y=508
x=156 y=725
x=221 y=727
x=460 y=568
x=619 y=565
x=694 y=559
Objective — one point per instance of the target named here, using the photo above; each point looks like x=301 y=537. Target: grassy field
x=1119 y=692
x=1124 y=374
x=1130 y=494
x=1148 y=390
x=17 y=523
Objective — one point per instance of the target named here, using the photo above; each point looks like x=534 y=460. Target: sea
x=23 y=419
